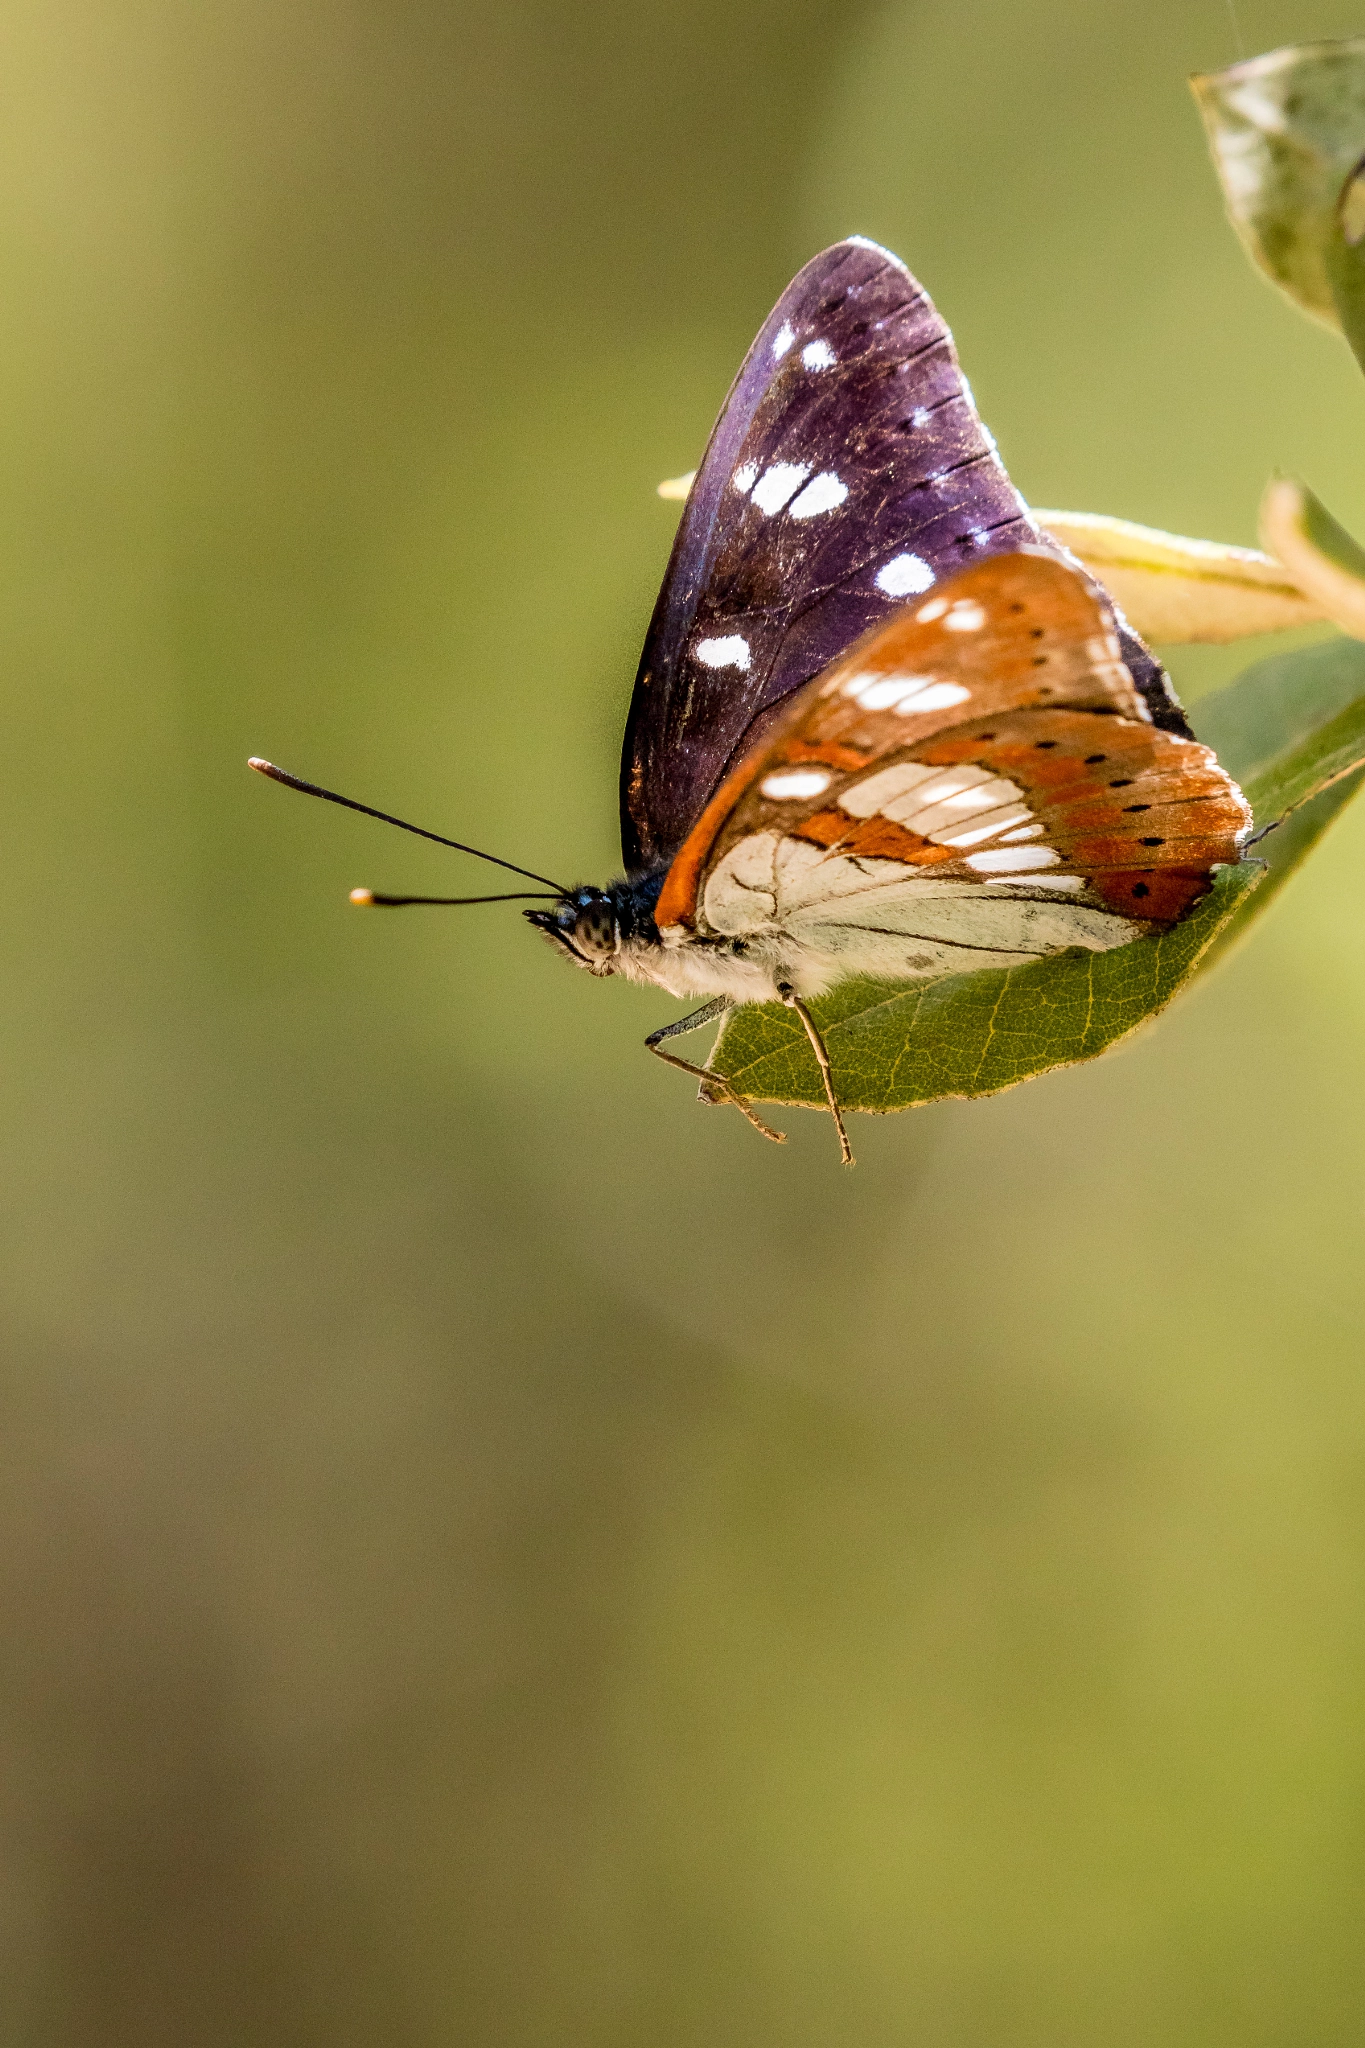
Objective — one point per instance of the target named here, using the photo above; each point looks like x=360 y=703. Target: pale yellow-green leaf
x=1175 y=590
x=1287 y=132
x=1319 y=554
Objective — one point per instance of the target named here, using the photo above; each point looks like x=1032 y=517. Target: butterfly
x=882 y=725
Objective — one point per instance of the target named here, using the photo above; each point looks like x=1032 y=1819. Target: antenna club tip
x=362 y=898
x=261 y=767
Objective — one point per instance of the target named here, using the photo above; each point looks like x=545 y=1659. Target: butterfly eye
x=594 y=931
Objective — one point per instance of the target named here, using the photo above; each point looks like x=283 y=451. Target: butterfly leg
x=794 y=1002
x=713 y=1088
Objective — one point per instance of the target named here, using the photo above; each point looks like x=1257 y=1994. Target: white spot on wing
x=790 y=783
x=729 y=650
x=881 y=693
x=875 y=792
x=937 y=697
x=1003 y=860
x=935 y=609
x=745 y=477
x=777 y=483
x=984 y=828
x=956 y=807
x=981 y=797
x=818 y=355
x=962 y=808
x=783 y=339
x=955 y=783
x=920 y=416
x=904 y=576
x=966 y=616
x=908 y=694
x=824 y=493
x=1027 y=832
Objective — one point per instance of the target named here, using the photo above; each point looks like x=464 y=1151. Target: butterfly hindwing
x=848 y=472
x=977 y=781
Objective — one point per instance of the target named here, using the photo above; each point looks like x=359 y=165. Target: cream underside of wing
x=831 y=915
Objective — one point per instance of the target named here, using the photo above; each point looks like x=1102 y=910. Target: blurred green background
x=488 y=1551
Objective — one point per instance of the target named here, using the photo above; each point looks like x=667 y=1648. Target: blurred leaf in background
x=1286 y=132
x=489 y=1550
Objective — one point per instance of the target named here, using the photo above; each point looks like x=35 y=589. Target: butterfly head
x=585 y=925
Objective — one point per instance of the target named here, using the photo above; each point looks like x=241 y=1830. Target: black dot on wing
x=833 y=305
x=1121 y=782
x=1141 y=889
x=1091 y=759
x=1133 y=807
x=1043 y=745
x=859 y=327
x=1153 y=842
x=1040 y=661
x=1035 y=632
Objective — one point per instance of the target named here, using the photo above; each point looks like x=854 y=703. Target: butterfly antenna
x=385 y=818
x=370 y=899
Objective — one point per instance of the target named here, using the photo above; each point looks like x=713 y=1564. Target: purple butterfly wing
x=848 y=472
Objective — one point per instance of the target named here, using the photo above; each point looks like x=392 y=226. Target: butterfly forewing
x=979 y=777
x=848 y=473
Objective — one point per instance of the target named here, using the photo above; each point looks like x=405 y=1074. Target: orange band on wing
x=872 y=838
x=677 y=902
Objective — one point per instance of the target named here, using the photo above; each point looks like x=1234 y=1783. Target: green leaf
x=1280 y=710
x=1287 y=132
x=1310 y=765
x=970 y=1034
x=1287 y=727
